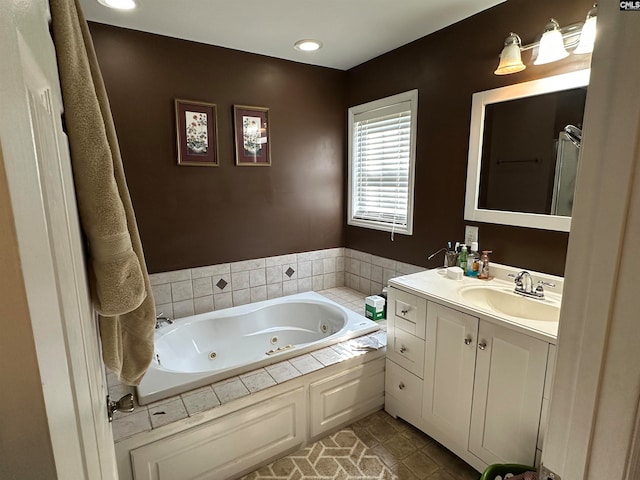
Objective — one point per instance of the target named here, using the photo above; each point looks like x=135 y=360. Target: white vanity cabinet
x=480 y=390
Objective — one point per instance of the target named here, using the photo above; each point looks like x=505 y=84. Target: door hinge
x=125 y=404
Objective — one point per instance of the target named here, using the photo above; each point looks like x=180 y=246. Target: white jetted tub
x=206 y=348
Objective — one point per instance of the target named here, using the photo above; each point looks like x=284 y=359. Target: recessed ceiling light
x=119 y=4
x=307 y=45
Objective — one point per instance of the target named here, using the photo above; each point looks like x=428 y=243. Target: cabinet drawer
x=408 y=312
x=404 y=387
x=407 y=351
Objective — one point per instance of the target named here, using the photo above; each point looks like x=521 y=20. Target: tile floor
x=376 y=447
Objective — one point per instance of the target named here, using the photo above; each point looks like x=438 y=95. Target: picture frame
x=252 y=139
x=196 y=133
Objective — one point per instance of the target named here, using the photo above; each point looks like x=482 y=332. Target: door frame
x=593 y=411
x=50 y=251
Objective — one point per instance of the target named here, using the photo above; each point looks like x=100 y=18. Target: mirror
x=523 y=152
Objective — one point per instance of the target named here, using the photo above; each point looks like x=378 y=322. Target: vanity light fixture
x=307 y=45
x=552 y=46
x=119 y=4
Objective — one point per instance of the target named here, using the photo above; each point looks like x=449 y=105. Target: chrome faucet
x=161 y=318
x=524 y=285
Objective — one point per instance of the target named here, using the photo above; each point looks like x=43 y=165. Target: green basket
x=503 y=468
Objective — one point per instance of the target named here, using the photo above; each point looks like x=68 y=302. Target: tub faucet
x=161 y=318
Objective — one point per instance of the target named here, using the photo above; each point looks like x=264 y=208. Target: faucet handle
x=540 y=290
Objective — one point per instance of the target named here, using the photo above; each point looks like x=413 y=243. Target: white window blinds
x=382 y=153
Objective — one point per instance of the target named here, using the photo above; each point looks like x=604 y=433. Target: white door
x=507 y=395
x=450 y=358
x=40 y=183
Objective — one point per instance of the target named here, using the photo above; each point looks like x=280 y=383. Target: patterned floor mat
x=341 y=456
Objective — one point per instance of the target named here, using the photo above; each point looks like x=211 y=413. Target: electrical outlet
x=546 y=474
x=470 y=235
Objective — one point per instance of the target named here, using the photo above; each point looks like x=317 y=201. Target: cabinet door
x=345 y=397
x=212 y=451
x=507 y=398
x=450 y=354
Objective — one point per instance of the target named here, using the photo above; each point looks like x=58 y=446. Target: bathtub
x=206 y=348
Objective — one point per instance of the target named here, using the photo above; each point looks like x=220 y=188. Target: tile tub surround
x=180 y=407
x=369 y=274
x=182 y=293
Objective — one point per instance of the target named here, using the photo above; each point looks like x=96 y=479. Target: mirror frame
x=511 y=92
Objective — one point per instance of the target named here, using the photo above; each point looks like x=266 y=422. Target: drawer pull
x=403 y=349
x=467 y=341
x=401 y=386
x=404 y=311
x=482 y=345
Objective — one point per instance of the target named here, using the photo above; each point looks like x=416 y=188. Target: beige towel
x=120 y=287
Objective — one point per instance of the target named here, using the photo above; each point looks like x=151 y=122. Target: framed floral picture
x=253 y=147
x=197 y=133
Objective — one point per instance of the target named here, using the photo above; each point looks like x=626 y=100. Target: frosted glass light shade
x=510 y=57
x=551 y=45
x=588 y=35
x=510 y=61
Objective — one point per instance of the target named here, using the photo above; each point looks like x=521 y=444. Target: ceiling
x=352 y=31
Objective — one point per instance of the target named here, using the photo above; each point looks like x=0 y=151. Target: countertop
x=435 y=286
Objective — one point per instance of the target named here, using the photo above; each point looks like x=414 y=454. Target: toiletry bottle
x=462 y=258
x=484 y=265
x=473 y=261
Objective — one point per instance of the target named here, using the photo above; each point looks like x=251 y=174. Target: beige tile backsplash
x=181 y=293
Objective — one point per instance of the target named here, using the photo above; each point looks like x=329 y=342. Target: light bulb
x=307 y=45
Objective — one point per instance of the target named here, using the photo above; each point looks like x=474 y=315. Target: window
x=382 y=145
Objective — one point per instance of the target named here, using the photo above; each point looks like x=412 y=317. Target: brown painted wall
x=447 y=67
x=25 y=446
x=194 y=216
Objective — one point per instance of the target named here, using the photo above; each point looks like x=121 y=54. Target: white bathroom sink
x=502 y=301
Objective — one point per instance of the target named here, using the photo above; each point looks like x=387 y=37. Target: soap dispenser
x=473 y=261
x=484 y=265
